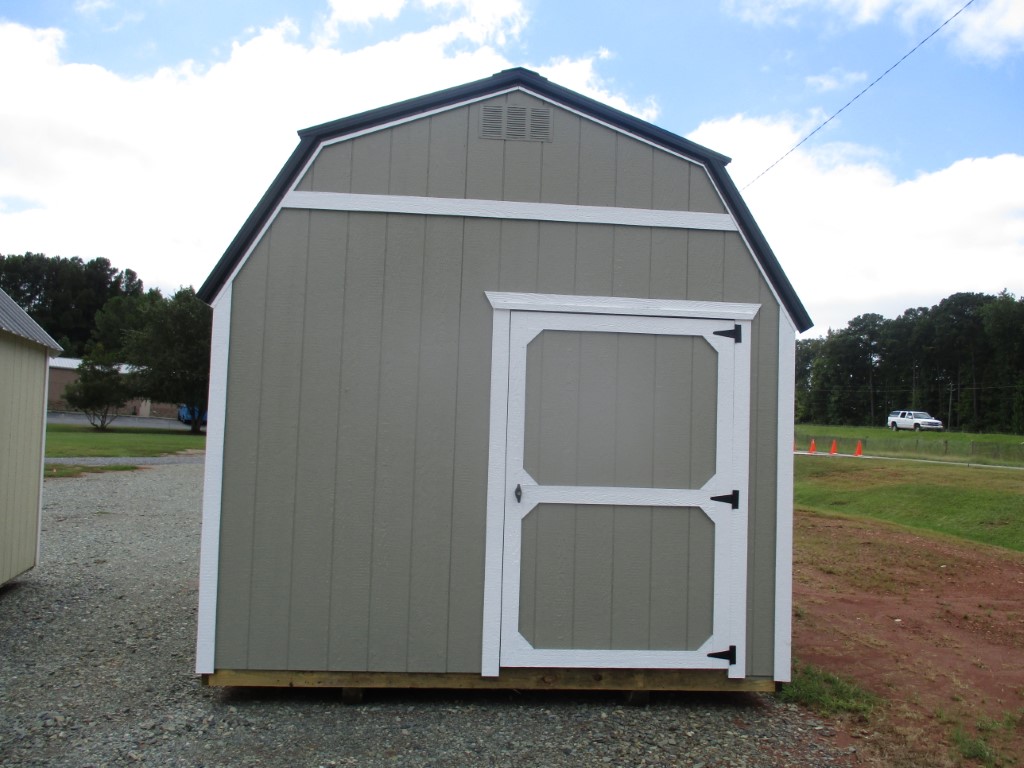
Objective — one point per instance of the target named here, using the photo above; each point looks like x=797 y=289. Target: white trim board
x=509 y=209
x=502 y=645
x=209 y=548
x=618 y=305
x=784 y=503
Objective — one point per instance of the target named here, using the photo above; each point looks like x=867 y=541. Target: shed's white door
x=624 y=492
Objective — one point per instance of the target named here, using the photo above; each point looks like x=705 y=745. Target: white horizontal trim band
x=533 y=495
x=620 y=305
x=508 y=209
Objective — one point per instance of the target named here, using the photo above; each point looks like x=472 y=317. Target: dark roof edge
x=310 y=139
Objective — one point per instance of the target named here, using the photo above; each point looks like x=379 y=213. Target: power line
x=865 y=90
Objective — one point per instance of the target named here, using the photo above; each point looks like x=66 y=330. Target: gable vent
x=515 y=123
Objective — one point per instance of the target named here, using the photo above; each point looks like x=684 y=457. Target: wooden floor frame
x=520 y=679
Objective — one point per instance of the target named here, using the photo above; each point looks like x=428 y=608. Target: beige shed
x=25 y=351
x=501 y=396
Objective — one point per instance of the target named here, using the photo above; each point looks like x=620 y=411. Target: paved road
x=100 y=461
x=65 y=417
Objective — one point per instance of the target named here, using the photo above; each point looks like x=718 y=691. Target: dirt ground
x=933 y=626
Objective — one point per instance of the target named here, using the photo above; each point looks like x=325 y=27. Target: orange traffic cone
x=812 y=449
x=860 y=449
x=833 y=451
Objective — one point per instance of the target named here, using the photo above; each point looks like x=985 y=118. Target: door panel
x=618 y=409
x=625 y=515
x=627 y=578
x=623 y=501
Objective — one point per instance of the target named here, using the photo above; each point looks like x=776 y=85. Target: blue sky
x=171 y=110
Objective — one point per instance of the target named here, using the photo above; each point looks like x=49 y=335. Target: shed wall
x=23 y=370
x=356 y=438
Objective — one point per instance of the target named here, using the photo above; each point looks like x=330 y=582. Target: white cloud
x=479 y=21
x=854 y=239
x=988 y=29
x=835 y=80
x=90 y=7
x=157 y=173
x=359 y=12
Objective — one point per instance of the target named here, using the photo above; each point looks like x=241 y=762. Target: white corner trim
x=784 y=502
x=495 y=523
x=42 y=459
x=617 y=305
x=508 y=209
x=209 y=552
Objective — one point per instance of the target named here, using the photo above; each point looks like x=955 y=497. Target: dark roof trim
x=17 y=321
x=311 y=138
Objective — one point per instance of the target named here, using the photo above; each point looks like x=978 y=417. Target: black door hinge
x=729 y=655
x=729 y=498
x=736 y=334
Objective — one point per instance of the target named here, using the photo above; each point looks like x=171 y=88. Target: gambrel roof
x=503 y=82
x=16 y=321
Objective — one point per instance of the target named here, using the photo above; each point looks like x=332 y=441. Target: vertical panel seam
x=415 y=445
x=256 y=458
x=376 y=444
x=455 y=436
x=295 y=470
x=337 y=440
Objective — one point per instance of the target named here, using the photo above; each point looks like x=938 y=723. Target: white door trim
x=592 y=314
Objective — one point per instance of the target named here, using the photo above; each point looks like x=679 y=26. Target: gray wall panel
x=276 y=460
x=671 y=182
x=634 y=173
x=409 y=159
x=371 y=166
x=560 y=168
x=449 y=146
x=355 y=472
x=431 y=589
x=332 y=171
x=241 y=446
x=480 y=268
x=485 y=162
x=319 y=395
x=597 y=165
x=396 y=443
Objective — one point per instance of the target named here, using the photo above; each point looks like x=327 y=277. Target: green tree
x=171 y=352
x=64 y=295
x=99 y=392
x=119 y=317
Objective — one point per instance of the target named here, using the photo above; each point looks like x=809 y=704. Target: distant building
x=64 y=371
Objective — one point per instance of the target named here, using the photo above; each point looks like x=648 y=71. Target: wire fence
x=926 y=447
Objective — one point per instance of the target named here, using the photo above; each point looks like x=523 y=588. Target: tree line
x=961 y=360
x=133 y=342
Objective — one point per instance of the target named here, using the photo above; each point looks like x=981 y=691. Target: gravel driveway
x=96 y=656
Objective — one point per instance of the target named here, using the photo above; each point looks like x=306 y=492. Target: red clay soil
x=934 y=626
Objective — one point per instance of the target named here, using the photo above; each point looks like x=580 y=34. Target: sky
x=145 y=131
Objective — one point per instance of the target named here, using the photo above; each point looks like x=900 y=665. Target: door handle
x=519 y=493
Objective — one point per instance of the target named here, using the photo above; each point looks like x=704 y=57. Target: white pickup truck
x=914 y=420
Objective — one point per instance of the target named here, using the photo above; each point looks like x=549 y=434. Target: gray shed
x=501 y=396
x=25 y=351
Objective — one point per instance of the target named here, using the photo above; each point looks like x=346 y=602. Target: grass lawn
x=984 y=504
x=67 y=440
